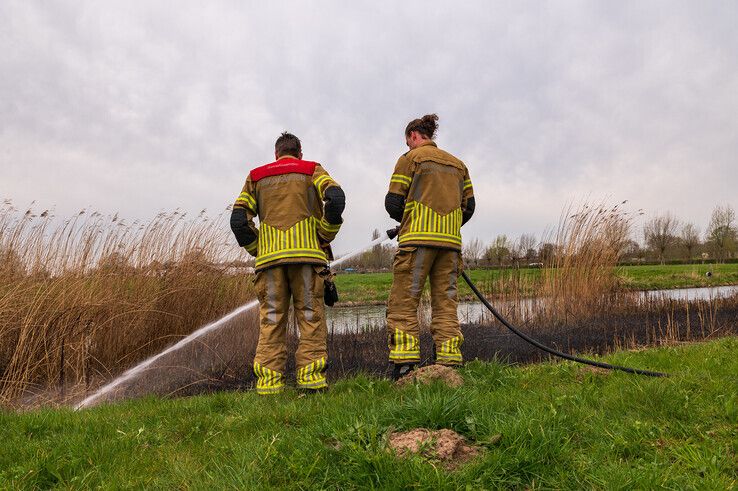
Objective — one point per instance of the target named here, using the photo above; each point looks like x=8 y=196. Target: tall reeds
x=579 y=276
x=81 y=299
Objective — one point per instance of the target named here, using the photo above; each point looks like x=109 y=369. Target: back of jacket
x=295 y=226
x=431 y=195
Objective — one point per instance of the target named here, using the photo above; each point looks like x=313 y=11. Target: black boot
x=401 y=369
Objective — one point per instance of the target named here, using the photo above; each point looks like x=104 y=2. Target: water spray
x=137 y=370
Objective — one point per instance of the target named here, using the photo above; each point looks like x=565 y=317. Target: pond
x=358 y=317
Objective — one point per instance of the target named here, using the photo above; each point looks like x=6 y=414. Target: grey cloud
x=134 y=107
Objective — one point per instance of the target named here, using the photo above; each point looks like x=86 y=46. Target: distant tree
x=690 y=238
x=660 y=233
x=527 y=244
x=376 y=256
x=546 y=252
x=499 y=250
x=472 y=252
x=632 y=250
x=721 y=233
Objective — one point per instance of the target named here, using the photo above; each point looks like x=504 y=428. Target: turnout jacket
x=431 y=195
x=299 y=207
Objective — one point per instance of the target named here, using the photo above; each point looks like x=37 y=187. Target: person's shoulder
x=435 y=154
x=283 y=166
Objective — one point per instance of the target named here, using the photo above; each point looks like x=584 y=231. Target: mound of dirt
x=445 y=445
x=428 y=374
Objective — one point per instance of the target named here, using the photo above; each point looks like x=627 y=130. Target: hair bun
x=427 y=126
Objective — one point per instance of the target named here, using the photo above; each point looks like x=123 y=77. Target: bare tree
x=499 y=249
x=721 y=233
x=659 y=233
x=690 y=238
x=632 y=251
x=472 y=252
x=527 y=244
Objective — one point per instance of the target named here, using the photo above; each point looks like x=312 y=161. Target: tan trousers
x=275 y=287
x=411 y=268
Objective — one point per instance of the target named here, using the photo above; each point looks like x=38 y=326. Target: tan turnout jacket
x=438 y=197
x=287 y=196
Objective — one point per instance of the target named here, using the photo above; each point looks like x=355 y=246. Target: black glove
x=393 y=232
x=330 y=293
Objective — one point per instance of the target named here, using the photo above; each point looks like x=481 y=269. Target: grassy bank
x=374 y=287
x=561 y=426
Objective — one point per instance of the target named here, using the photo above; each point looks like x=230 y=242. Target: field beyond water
x=360 y=288
x=554 y=425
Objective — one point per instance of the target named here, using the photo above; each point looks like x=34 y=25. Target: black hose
x=552 y=351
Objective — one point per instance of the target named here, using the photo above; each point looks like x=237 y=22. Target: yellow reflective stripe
x=329 y=227
x=320 y=181
x=312 y=376
x=252 y=247
x=430 y=236
x=306 y=253
x=300 y=237
x=267 y=381
x=451 y=349
x=398 y=181
x=467 y=186
x=401 y=178
x=432 y=225
x=248 y=199
x=406 y=347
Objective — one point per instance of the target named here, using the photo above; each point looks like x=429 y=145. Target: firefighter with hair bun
x=299 y=207
x=431 y=195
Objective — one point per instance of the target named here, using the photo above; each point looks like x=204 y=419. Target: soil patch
x=427 y=374
x=445 y=445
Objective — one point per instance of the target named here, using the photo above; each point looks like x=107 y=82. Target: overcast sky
x=136 y=107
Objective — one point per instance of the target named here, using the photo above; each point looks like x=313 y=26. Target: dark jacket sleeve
x=242 y=218
x=468 y=210
x=245 y=235
x=395 y=205
x=335 y=202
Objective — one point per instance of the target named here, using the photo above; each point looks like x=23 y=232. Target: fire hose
x=637 y=371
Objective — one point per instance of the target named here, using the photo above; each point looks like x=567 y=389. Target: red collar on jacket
x=288 y=165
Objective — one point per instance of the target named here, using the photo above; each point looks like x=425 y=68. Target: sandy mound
x=428 y=374
x=444 y=445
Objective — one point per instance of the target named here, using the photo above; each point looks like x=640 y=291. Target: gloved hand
x=393 y=232
x=330 y=293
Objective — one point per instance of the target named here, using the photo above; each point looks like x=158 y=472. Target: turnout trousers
x=275 y=287
x=412 y=266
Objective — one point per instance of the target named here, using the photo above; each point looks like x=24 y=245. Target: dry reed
x=82 y=299
x=579 y=277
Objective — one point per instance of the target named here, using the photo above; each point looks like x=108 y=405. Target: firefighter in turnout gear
x=431 y=195
x=299 y=207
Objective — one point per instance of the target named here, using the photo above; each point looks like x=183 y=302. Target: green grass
x=677 y=276
x=561 y=427
x=375 y=287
